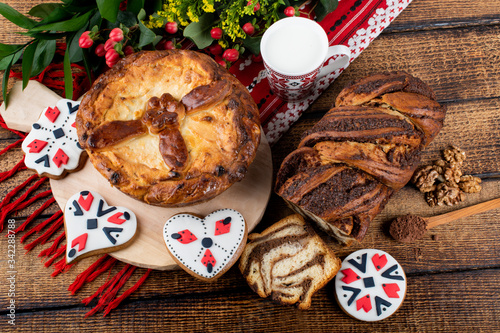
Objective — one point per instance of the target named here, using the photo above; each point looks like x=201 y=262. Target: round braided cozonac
x=363 y=150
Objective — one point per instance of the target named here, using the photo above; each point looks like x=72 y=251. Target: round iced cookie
x=371 y=285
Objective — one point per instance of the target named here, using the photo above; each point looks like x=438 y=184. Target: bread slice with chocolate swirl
x=288 y=262
x=364 y=149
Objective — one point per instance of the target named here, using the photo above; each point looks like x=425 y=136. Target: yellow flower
x=208 y=6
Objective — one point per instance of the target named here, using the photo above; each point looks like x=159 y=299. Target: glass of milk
x=295 y=51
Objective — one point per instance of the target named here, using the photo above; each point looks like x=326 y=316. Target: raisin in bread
x=364 y=149
x=288 y=262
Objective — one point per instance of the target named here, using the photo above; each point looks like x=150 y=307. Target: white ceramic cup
x=295 y=52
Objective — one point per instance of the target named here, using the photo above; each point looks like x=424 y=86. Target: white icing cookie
x=207 y=247
x=51 y=148
x=94 y=227
x=371 y=285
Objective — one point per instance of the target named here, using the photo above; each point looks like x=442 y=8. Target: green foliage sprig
x=143 y=24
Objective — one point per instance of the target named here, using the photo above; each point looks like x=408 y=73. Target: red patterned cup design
x=294 y=52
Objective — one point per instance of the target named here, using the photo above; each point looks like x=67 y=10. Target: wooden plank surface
x=453 y=271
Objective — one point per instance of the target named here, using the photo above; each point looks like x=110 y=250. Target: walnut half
x=445 y=194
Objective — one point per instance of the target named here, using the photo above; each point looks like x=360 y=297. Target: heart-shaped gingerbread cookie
x=206 y=248
x=92 y=226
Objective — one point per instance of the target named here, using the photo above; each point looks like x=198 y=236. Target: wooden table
x=453 y=273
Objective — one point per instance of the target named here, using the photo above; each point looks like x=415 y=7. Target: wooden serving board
x=148 y=250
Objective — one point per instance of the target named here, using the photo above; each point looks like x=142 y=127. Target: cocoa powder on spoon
x=408 y=228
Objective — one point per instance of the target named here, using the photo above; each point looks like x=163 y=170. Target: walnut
x=445 y=194
x=452 y=173
x=454 y=155
x=425 y=177
x=470 y=184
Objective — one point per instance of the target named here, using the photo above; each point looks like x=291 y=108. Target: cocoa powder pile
x=408 y=228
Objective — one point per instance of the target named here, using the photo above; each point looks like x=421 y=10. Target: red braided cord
x=34 y=215
x=109 y=282
x=12 y=145
x=61 y=267
x=53 y=248
x=114 y=303
x=46 y=235
x=108 y=296
x=18 y=167
x=40 y=226
x=59 y=252
x=16 y=190
x=103 y=264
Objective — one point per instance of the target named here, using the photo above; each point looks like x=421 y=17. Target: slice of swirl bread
x=288 y=262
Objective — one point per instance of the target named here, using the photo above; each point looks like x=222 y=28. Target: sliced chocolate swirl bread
x=363 y=150
x=288 y=262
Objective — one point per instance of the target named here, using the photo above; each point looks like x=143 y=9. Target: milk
x=294 y=49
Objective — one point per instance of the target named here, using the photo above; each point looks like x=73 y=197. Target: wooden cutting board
x=249 y=197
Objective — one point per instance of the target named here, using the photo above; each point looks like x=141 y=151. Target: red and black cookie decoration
x=92 y=226
x=371 y=285
x=51 y=148
x=207 y=247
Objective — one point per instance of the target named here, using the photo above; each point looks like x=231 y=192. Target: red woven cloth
x=355 y=24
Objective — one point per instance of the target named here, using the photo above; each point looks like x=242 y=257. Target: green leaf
x=15 y=17
x=43 y=10
x=135 y=6
x=68 y=77
x=44 y=54
x=128 y=19
x=252 y=44
x=324 y=7
x=199 y=32
x=5 y=81
x=109 y=9
x=73 y=49
x=27 y=65
x=8 y=49
x=44 y=35
x=73 y=24
x=142 y=15
x=57 y=15
x=5 y=61
x=147 y=36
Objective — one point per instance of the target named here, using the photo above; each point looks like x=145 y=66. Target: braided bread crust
x=364 y=149
x=170 y=128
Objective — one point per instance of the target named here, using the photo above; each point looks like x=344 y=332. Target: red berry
x=231 y=55
x=216 y=33
x=171 y=27
x=215 y=49
x=128 y=50
x=248 y=28
x=85 y=41
x=100 y=51
x=169 y=45
x=290 y=11
x=109 y=44
x=256 y=7
x=112 y=57
x=220 y=61
x=116 y=34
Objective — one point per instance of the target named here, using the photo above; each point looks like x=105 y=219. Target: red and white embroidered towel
x=355 y=24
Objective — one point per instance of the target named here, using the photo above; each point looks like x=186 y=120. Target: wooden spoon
x=410 y=227
x=464 y=212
